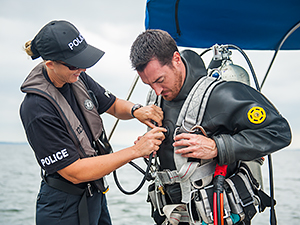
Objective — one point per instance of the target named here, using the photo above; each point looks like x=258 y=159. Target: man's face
x=164 y=80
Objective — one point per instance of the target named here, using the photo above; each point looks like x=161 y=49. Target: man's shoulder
x=188 y=54
x=193 y=62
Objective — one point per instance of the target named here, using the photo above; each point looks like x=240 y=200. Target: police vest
x=36 y=83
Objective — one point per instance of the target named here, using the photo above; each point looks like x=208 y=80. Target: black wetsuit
x=226 y=120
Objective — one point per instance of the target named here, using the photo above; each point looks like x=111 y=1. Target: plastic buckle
x=226 y=214
x=248 y=203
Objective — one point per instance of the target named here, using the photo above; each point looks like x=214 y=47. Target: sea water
x=20 y=180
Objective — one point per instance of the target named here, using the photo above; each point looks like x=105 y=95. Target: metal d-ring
x=178 y=128
x=175 y=132
x=194 y=129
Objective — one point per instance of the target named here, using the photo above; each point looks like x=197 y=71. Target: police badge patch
x=257 y=115
x=88 y=104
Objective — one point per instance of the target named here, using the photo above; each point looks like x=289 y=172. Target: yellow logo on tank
x=257 y=115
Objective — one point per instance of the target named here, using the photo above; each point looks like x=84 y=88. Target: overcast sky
x=112 y=26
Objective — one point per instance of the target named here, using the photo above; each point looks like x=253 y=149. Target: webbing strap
x=83 y=213
x=190 y=170
x=187 y=170
x=194 y=106
x=208 y=216
x=176 y=213
x=191 y=114
x=243 y=194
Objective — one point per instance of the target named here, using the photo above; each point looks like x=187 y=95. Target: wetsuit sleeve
x=245 y=125
x=104 y=97
x=47 y=134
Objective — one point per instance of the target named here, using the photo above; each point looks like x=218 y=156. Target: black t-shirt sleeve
x=47 y=134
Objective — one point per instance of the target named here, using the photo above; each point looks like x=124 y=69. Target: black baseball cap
x=60 y=40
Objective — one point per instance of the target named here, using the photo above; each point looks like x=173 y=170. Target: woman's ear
x=50 y=64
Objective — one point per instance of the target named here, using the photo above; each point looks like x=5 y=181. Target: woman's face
x=61 y=73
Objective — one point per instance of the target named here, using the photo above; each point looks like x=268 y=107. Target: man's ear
x=176 y=58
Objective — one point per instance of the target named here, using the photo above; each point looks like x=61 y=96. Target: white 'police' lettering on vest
x=54 y=157
x=77 y=41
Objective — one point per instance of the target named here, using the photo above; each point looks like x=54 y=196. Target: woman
x=60 y=114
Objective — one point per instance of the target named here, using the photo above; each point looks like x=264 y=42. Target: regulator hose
x=143 y=180
x=146 y=173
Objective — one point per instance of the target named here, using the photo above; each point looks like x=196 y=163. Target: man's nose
x=158 y=90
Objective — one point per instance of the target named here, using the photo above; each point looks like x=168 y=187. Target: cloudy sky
x=112 y=26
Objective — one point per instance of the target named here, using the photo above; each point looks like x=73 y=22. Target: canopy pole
x=127 y=98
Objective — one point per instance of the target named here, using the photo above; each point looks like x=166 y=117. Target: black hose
x=249 y=64
x=278 y=48
x=146 y=174
x=205 y=51
x=142 y=182
x=246 y=58
x=273 y=220
x=137 y=167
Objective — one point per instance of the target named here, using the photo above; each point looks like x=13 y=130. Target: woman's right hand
x=150 y=142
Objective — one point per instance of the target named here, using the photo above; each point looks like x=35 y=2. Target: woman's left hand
x=148 y=114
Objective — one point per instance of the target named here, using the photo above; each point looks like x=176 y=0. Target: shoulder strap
x=88 y=108
x=91 y=93
x=191 y=114
x=193 y=109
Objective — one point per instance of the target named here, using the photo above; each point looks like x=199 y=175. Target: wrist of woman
x=134 y=108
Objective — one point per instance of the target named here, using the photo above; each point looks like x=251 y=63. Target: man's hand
x=197 y=146
x=148 y=114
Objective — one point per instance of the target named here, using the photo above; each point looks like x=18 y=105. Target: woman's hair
x=28 y=48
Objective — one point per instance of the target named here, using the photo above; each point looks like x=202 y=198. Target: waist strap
x=69 y=188
x=190 y=170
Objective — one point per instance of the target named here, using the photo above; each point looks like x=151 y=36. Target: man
x=228 y=133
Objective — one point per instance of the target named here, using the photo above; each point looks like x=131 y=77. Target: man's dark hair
x=152 y=44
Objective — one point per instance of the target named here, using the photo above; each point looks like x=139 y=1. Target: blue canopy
x=252 y=25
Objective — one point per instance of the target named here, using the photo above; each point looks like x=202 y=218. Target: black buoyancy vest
x=36 y=83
